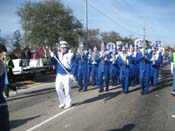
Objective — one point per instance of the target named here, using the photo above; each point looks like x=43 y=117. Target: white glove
x=153 y=58
x=89 y=57
x=72 y=77
x=127 y=62
x=51 y=54
x=105 y=59
x=85 y=52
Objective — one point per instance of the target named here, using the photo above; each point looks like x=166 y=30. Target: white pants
x=63 y=87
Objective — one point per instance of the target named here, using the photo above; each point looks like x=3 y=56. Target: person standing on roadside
x=4 y=114
x=173 y=64
x=27 y=54
x=9 y=66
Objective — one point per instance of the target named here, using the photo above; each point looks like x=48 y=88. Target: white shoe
x=173 y=93
x=67 y=106
x=16 y=92
x=61 y=105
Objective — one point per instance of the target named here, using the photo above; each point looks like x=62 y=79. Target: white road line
x=48 y=120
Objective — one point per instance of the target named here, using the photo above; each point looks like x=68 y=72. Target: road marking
x=48 y=120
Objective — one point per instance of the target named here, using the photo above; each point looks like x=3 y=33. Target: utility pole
x=86 y=23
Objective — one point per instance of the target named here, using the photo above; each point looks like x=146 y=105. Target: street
x=35 y=108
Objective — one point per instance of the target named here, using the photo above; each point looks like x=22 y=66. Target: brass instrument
x=125 y=60
x=143 y=52
x=154 y=59
x=93 y=58
x=113 y=58
x=81 y=54
x=102 y=55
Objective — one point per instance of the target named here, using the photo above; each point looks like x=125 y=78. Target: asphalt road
x=35 y=108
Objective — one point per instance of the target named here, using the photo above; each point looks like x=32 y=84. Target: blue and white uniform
x=82 y=58
x=125 y=74
x=103 y=70
x=156 y=61
x=63 y=79
x=114 y=69
x=144 y=60
x=94 y=62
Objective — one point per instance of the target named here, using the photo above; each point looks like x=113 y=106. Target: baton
x=63 y=67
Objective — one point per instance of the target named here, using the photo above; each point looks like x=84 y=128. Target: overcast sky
x=127 y=17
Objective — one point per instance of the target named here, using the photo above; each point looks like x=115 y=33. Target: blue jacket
x=2 y=85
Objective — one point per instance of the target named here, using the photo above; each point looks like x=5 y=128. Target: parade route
x=36 y=109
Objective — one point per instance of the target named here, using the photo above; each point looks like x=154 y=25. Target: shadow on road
x=33 y=93
x=135 y=89
x=105 y=96
x=127 y=127
x=19 y=122
x=25 y=80
x=164 y=83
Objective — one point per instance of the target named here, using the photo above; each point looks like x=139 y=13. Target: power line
x=129 y=4
x=109 y=18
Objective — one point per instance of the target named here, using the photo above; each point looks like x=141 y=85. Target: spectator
x=14 y=54
x=9 y=66
x=173 y=63
x=4 y=114
x=27 y=54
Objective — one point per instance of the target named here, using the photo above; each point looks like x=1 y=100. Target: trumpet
x=113 y=58
x=102 y=56
x=154 y=59
x=80 y=54
x=143 y=52
x=125 y=59
x=93 y=58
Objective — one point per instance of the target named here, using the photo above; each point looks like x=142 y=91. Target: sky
x=127 y=17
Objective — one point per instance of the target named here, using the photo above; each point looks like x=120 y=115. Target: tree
x=110 y=36
x=3 y=42
x=16 y=40
x=128 y=41
x=46 y=22
x=93 y=37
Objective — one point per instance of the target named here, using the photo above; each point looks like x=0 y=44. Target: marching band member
x=103 y=68
x=132 y=65
x=74 y=64
x=161 y=50
x=63 y=60
x=114 y=67
x=94 y=61
x=82 y=58
x=144 y=60
x=124 y=62
x=136 y=65
x=89 y=65
x=156 y=60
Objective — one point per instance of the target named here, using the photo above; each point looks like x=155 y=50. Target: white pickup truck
x=34 y=66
